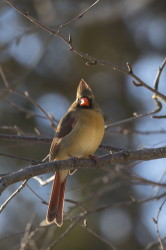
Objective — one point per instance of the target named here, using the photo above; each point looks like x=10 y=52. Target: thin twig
x=153 y=244
x=79 y=16
x=99 y=237
x=159 y=116
x=128 y=203
x=13 y=128
x=156 y=221
x=13 y=195
x=125 y=131
x=156 y=85
x=27 y=96
x=157 y=78
x=38 y=196
x=43 y=183
x=20 y=158
x=66 y=232
x=139 y=179
x=26 y=241
x=25 y=138
x=91 y=60
x=29 y=113
x=4 y=78
x=141 y=83
x=131 y=119
x=100 y=209
x=31 y=100
x=50 y=118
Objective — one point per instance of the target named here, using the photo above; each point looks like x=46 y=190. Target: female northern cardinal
x=78 y=134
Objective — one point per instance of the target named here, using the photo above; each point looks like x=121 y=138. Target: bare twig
x=99 y=237
x=153 y=244
x=156 y=85
x=25 y=138
x=42 y=200
x=31 y=100
x=50 y=118
x=4 y=78
x=29 y=113
x=69 y=228
x=13 y=195
x=118 y=204
x=26 y=241
x=80 y=15
x=131 y=119
x=141 y=83
x=123 y=204
x=20 y=158
x=13 y=128
x=156 y=221
x=138 y=179
x=25 y=94
x=98 y=210
x=91 y=60
x=156 y=81
x=125 y=131
x=43 y=183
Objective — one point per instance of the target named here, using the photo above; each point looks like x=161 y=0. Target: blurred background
x=35 y=61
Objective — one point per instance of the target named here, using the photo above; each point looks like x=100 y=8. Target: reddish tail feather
x=55 y=207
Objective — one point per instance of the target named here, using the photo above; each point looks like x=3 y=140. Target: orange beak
x=84 y=102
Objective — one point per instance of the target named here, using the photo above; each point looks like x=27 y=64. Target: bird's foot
x=76 y=160
x=94 y=158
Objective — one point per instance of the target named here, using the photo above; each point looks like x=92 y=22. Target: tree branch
x=42 y=140
x=156 y=221
x=13 y=195
x=123 y=156
x=90 y=59
x=80 y=15
x=25 y=138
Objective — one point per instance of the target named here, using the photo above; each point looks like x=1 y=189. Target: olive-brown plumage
x=78 y=134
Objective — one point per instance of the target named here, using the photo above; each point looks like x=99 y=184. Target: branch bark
x=123 y=156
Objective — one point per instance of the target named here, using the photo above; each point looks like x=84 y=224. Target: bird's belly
x=87 y=143
x=83 y=140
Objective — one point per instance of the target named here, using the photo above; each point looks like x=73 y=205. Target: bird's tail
x=55 y=207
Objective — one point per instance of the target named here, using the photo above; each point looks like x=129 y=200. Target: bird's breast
x=85 y=137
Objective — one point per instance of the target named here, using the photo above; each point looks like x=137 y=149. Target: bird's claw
x=94 y=158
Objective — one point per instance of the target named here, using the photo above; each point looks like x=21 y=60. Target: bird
x=78 y=134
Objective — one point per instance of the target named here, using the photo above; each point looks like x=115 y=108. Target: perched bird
x=78 y=134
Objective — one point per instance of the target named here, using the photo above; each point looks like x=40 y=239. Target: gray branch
x=123 y=156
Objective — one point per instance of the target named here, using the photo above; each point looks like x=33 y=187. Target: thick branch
x=104 y=161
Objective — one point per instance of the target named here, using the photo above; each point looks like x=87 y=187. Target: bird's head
x=85 y=97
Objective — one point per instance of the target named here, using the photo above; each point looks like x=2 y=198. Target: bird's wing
x=65 y=126
x=54 y=149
